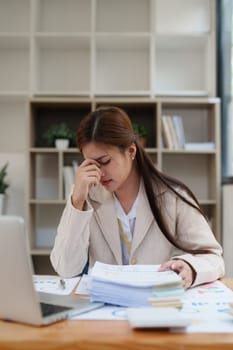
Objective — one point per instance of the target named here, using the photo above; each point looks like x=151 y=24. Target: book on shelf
x=135 y=285
x=166 y=132
x=179 y=130
x=173 y=136
x=173 y=132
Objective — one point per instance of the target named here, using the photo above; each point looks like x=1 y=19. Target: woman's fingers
x=181 y=268
x=87 y=174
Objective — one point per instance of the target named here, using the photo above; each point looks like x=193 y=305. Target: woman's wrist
x=77 y=203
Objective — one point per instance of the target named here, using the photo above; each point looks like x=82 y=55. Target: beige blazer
x=95 y=232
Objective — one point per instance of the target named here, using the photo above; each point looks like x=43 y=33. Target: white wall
x=227 y=220
x=13 y=142
x=15 y=199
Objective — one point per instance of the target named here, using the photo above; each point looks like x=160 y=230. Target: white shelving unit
x=69 y=16
x=104 y=47
x=14 y=65
x=122 y=65
x=184 y=45
x=149 y=56
x=199 y=169
x=62 y=65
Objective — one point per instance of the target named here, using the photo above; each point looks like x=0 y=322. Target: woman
x=122 y=210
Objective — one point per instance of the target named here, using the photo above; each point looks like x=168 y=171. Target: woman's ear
x=132 y=151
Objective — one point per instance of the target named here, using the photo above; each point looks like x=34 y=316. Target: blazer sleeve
x=70 y=252
x=194 y=232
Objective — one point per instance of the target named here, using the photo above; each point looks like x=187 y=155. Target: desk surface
x=105 y=335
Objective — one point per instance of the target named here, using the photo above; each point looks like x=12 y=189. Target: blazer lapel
x=105 y=214
x=144 y=218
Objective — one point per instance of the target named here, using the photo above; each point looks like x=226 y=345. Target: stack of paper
x=135 y=285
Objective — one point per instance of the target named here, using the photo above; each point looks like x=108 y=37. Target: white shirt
x=128 y=223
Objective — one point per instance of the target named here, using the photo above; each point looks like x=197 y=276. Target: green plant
x=58 y=131
x=3 y=183
x=140 y=130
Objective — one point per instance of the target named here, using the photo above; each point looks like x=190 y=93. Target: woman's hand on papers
x=182 y=268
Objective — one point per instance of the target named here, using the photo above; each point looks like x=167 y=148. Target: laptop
x=19 y=301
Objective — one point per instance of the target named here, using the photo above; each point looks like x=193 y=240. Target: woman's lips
x=105 y=182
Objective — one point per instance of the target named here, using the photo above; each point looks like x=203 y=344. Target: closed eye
x=105 y=163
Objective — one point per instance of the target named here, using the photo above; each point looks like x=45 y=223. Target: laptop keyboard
x=49 y=309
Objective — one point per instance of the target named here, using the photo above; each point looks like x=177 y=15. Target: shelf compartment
x=166 y=22
x=199 y=123
x=122 y=65
x=181 y=65
x=141 y=113
x=14 y=64
x=197 y=171
x=62 y=65
x=132 y=15
x=43 y=115
x=15 y=16
x=44 y=171
x=69 y=16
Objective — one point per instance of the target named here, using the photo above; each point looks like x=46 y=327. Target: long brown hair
x=112 y=126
